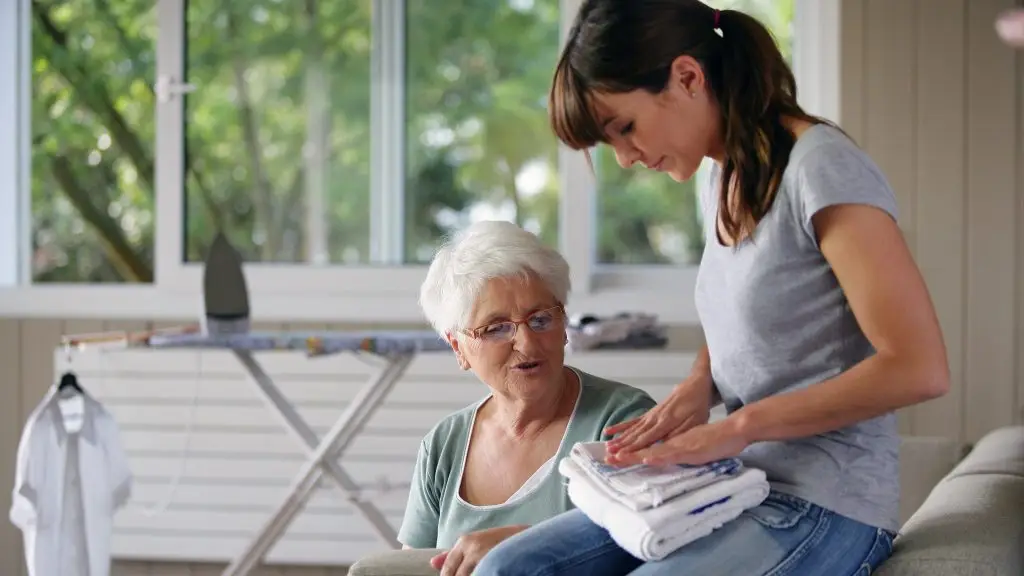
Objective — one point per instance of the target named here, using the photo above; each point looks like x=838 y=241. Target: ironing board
x=396 y=349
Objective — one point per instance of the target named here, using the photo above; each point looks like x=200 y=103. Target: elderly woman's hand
x=688 y=405
x=469 y=549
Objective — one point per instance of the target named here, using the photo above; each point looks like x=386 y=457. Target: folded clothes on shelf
x=627 y=330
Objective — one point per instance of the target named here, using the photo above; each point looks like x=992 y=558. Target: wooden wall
x=934 y=97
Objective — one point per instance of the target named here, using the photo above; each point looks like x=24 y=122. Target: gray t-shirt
x=776 y=320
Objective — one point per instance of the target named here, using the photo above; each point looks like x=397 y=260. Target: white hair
x=484 y=251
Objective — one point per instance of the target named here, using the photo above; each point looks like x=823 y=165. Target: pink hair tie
x=718 y=26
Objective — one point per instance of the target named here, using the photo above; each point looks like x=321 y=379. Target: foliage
x=278 y=139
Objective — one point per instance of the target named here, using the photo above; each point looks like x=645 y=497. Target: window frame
x=353 y=294
x=14 y=163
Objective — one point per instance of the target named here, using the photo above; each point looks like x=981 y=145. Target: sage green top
x=436 y=515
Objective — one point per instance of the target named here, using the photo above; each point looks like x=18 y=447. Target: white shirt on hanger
x=72 y=476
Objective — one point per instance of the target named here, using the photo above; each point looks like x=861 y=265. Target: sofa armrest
x=413 y=562
x=972 y=523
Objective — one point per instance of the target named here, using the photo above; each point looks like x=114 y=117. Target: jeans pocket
x=880 y=551
x=780 y=511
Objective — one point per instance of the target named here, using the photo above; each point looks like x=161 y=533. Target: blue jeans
x=784 y=535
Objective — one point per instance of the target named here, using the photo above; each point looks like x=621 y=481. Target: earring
x=693 y=94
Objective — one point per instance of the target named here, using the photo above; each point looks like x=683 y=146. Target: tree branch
x=96 y=99
x=512 y=191
x=131 y=47
x=214 y=209
x=95 y=96
x=128 y=45
x=292 y=207
x=122 y=254
x=263 y=199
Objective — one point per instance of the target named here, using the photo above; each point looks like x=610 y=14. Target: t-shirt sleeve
x=840 y=173
x=625 y=407
x=423 y=509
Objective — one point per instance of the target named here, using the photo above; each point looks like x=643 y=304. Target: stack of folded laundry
x=651 y=511
x=629 y=330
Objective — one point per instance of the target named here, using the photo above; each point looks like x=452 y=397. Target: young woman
x=817 y=321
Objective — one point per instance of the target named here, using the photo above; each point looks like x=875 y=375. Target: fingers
x=438 y=561
x=627 y=435
x=466 y=568
x=640 y=427
x=645 y=435
x=677 y=450
x=452 y=563
x=625 y=458
x=662 y=454
x=685 y=426
x=621 y=427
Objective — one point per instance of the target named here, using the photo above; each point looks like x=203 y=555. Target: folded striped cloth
x=642 y=486
x=654 y=533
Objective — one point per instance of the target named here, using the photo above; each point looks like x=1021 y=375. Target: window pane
x=278 y=129
x=647 y=218
x=93 y=64
x=478 y=141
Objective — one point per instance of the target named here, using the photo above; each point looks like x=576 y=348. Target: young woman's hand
x=698 y=445
x=688 y=405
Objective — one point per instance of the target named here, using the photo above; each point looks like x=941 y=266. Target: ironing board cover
x=314 y=343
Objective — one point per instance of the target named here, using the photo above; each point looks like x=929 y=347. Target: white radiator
x=238 y=460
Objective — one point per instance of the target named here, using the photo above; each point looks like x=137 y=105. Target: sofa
x=972 y=521
x=964 y=516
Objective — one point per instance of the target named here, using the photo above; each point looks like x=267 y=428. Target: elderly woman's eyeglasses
x=539 y=322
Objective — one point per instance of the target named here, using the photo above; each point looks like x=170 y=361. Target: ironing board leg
x=323 y=456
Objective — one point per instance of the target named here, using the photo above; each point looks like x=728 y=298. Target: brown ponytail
x=619 y=46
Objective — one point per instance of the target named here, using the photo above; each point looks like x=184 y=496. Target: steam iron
x=225 y=294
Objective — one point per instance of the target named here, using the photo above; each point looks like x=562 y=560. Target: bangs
x=571 y=110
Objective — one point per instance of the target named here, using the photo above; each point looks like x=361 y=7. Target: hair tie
x=718 y=26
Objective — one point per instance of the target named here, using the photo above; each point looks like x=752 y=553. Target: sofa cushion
x=924 y=461
x=1001 y=451
x=970 y=525
x=396 y=563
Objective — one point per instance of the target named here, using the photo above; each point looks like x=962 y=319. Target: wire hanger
x=69 y=379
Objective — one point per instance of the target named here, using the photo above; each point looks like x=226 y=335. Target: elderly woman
x=488 y=471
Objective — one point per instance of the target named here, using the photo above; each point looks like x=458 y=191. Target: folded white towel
x=641 y=486
x=655 y=533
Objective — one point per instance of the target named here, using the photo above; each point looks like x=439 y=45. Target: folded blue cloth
x=642 y=486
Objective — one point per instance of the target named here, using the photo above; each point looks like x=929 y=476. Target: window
x=335 y=142
x=477 y=138
x=277 y=130
x=280 y=126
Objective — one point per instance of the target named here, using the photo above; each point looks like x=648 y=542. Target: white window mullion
x=578 y=201
x=170 y=144
x=15 y=142
x=387 y=132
